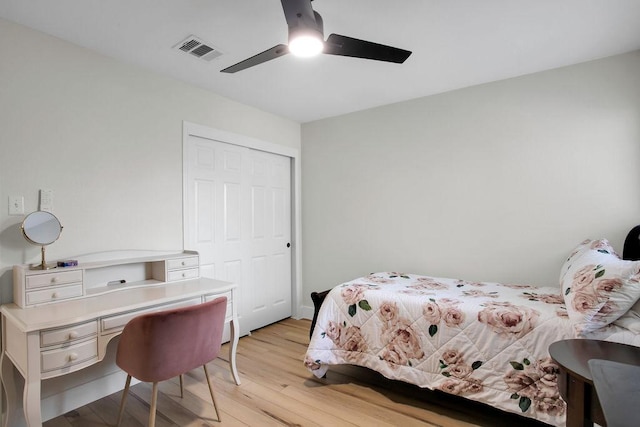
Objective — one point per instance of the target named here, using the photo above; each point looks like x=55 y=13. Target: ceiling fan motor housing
x=306 y=28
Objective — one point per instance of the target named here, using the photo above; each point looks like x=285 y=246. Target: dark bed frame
x=630 y=251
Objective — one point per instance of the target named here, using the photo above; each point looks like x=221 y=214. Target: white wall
x=106 y=137
x=496 y=182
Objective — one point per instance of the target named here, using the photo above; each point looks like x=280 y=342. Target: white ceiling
x=455 y=44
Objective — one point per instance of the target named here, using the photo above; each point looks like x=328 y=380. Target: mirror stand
x=43 y=264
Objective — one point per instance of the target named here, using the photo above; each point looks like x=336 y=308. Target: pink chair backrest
x=158 y=346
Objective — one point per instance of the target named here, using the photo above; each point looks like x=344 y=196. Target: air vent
x=198 y=48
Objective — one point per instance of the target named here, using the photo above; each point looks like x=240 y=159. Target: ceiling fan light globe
x=306 y=45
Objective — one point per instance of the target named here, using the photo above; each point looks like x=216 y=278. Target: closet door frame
x=196 y=130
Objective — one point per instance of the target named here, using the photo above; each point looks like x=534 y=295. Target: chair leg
x=213 y=397
x=154 y=403
x=181 y=387
x=125 y=392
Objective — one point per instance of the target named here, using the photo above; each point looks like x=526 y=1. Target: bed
x=486 y=342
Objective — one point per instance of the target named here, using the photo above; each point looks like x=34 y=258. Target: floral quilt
x=484 y=341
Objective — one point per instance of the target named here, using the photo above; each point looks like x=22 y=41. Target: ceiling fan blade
x=299 y=13
x=347 y=46
x=267 y=55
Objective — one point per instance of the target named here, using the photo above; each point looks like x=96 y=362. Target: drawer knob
x=72 y=357
x=73 y=335
x=54 y=295
x=184 y=274
x=53 y=279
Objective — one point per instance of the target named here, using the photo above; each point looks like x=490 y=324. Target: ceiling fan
x=306 y=38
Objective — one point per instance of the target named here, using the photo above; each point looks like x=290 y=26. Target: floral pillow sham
x=631 y=319
x=601 y=245
x=598 y=286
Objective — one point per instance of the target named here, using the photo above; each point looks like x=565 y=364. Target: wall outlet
x=16 y=205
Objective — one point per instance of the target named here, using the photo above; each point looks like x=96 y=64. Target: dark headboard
x=631 y=250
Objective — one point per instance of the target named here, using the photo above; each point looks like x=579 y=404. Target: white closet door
x=238 y=217
x=270 y=253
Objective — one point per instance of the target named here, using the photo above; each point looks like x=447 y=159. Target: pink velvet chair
x=157 y=346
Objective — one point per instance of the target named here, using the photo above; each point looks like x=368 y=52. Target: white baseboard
x=305 y=312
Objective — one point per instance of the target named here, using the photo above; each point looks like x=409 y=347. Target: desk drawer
x=53 y=279
x=190 y=273
x=68 y=356
x=173 y=264
x=69 y=334
x=54 y=294
x=117 y=323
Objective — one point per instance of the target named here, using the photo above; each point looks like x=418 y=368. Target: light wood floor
x=277 y=390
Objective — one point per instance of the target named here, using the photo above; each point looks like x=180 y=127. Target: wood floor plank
x=174 y=410
x=352 y=409
x=59 y=422
x=307 y=414
x=203 y=409
x=108 y=408
x=278 y=390
x=264 y=400
x=233 y=399
x=84 y=417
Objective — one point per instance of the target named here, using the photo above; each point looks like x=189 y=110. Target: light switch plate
x=16 y=205
x=46 y=200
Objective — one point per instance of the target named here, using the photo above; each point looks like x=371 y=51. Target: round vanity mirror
x=41 y=228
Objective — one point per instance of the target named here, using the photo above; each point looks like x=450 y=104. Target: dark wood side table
x=575 y=382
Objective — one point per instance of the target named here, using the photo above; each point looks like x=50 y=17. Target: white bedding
x=484 y=341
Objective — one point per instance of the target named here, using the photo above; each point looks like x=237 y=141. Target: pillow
x=631 y=319
x=601 y=245
x=598 y=286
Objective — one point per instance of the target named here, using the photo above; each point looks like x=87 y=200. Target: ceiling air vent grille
x=198 y=48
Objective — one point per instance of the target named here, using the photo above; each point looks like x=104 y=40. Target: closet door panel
x=238 y=216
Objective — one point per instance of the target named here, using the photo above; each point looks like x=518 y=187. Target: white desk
x=56 y=339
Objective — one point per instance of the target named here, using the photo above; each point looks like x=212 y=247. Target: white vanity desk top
x=114 y=302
